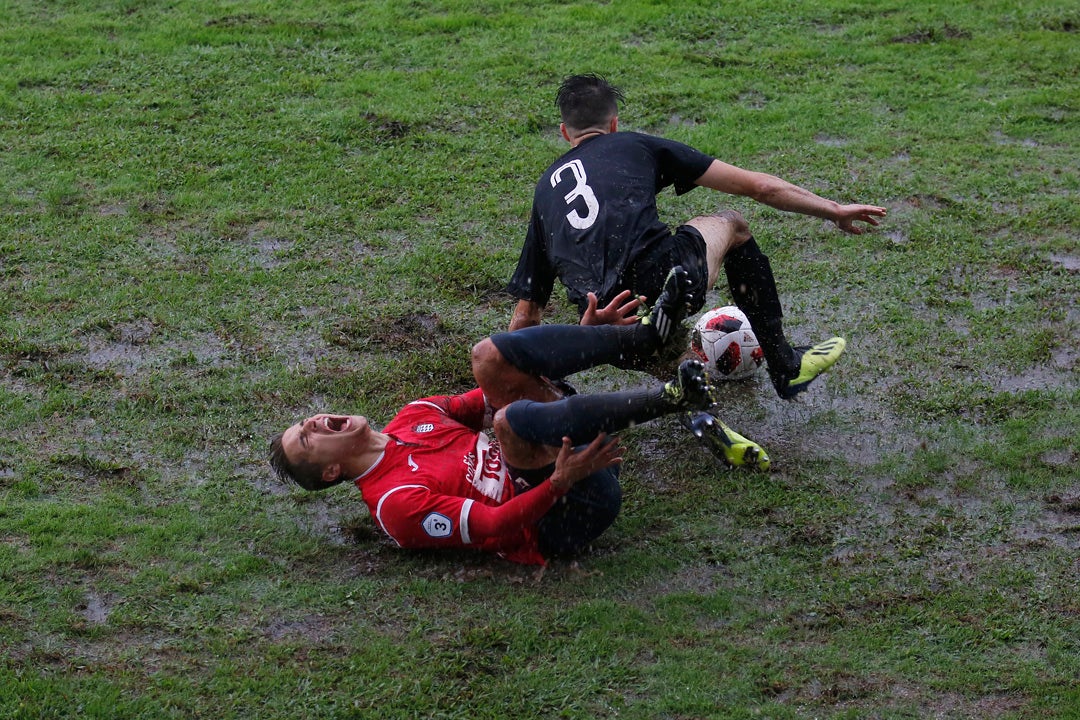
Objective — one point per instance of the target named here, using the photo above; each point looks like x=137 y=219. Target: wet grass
x=218 y=218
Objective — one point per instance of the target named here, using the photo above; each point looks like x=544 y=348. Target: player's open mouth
x=336 y=424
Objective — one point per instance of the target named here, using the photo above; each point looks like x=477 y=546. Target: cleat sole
x=727 y=445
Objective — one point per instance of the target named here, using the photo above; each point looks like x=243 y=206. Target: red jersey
x=442 y=483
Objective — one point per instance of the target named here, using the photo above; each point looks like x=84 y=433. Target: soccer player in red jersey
x=545 y=485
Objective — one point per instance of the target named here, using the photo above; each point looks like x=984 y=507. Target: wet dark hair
x=307 y=475
x=587 y=101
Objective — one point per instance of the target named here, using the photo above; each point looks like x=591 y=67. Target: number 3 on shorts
x=580 y=190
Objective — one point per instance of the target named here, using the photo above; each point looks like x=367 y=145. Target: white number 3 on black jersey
x=581 y=190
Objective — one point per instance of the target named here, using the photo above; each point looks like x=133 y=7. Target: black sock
x=753 y=288
x=583 y=417
x=555 y=351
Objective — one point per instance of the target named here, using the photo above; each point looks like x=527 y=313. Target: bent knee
x=517 y=451
x=732 y=216
x=487 y=363
x=739 y=226
x=485 y=354
x=501 y=426
x=729 y=226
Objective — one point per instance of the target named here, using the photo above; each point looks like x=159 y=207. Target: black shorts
x=684 y=247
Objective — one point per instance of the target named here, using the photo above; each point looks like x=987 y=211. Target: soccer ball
x=724 y=341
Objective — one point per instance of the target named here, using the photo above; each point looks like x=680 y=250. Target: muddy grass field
x=217 y=220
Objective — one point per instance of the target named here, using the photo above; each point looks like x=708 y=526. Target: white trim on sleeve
x=463 y=522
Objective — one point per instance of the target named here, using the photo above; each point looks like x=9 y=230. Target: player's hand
x=571 y=465
x=622 y=310
x=850 y=214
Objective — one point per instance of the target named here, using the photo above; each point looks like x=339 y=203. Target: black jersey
x=594 y=212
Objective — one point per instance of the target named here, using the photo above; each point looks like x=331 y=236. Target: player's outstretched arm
x=622 y=310
x=783 y=195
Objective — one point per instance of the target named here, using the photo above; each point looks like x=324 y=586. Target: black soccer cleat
x=690 y=390
x=723 y=442
x=671 y=306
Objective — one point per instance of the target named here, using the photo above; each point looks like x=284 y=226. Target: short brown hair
x=307 y=475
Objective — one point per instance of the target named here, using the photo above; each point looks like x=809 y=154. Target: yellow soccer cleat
x=812 y=362
x=725 y=443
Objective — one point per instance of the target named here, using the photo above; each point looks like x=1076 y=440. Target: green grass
x=220 y=217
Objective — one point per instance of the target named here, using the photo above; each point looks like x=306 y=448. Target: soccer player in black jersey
x=594 y=226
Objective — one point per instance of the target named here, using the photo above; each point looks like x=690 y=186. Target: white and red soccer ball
x=724 y=341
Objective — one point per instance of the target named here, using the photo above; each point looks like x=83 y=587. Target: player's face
x=326 y=439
